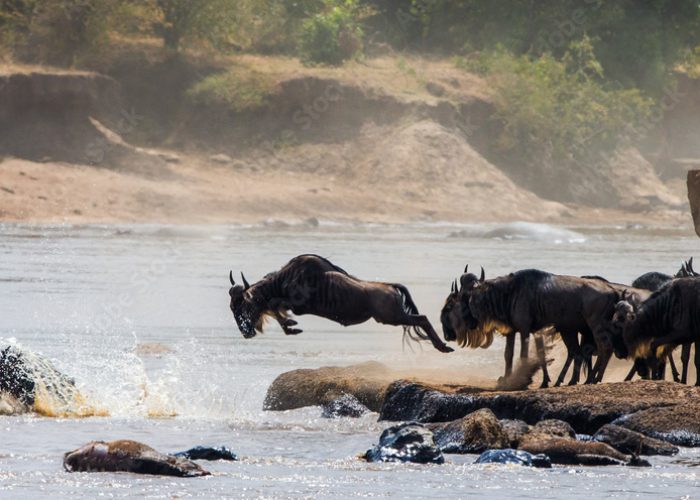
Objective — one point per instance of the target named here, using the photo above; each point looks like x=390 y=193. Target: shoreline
x=198 y=192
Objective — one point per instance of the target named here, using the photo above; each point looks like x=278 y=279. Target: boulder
x=515 y=430
x=567 y=451
x=208 y=453
x=128 y=456
x=408 y=442
x=632 y=442
x=678 y=424
x=346 y=405
x=367 y=382
x=477 y=432
x=553 y=428
x=518 y=457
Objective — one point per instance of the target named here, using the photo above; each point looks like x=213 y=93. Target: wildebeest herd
x=594 y=317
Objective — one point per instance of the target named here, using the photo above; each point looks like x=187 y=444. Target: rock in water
x=15 y=377
x=208 y=453
x=477 y=432
x=128 y=456
x=628 y=441
x=568 y=451
x=409 y=442
x=678 y=425
x=346 y=405
x=510 y=456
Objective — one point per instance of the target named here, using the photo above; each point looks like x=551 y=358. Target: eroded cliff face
x=694 y=197
x=72 y=117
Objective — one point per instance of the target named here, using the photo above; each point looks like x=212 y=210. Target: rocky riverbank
x=572 y=423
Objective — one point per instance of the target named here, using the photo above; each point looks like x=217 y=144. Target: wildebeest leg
x=633 y=371
x=286 y=324
x=423 y=323
x=697 y=364
x=674 y=371
x=542 y=356
x=596 y=375
x=508 y=354
x=685 y=359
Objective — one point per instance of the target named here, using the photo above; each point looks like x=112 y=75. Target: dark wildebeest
x=670 y=317
x=309 y=284
x=530 y=300
x=458 y=324
x=653 y=281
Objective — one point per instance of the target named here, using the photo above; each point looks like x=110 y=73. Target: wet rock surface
x=208 y=453
x=408 y=442
x=128 y=456
x=477 y=432
x=677 y=424
x=515 y=430
x=586 y=408
x=511 y=456
x=632 y=442
x=346 y=405
x=566 y=451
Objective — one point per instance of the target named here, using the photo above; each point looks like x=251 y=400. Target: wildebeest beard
x=488 y=306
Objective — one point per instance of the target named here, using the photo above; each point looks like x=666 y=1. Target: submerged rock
x=628 y=441
x=208 y=453
x=567 y=451
x=474 y=433
x=510 y=456
x=408 y=442
x=346 y=405
x=128 y=456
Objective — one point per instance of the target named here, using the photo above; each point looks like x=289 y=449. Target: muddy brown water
x=138 y=315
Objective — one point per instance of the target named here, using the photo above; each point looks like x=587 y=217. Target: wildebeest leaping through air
x=309 y=284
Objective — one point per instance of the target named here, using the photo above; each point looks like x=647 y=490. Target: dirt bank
x=390 y=142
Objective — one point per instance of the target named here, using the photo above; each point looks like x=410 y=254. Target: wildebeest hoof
x=128 y=456
x=444 y=348
x=290 y=322
x=293 y=331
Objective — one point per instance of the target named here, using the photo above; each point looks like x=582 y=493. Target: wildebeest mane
x=652 y=318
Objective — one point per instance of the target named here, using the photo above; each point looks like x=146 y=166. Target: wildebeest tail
x=412 y=332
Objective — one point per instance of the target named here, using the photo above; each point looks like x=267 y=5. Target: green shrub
x=558 y=111
x=239 y=89
x=331 y=37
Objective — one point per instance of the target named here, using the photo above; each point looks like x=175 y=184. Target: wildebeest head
x=243 y=307
x=624 y=315
x=458 y=322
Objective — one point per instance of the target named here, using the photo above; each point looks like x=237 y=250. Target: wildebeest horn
x=230 y=277
x=245 y=281
x=466 y=268
x=690 y=266
x=452 y=290
x=483 y=274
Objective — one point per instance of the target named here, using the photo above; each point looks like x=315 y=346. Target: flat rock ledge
x=665 y=411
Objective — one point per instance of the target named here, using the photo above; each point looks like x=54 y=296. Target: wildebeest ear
x=452 y=290
x=230 y=277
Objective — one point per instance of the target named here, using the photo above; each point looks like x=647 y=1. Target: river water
x=138 y=315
